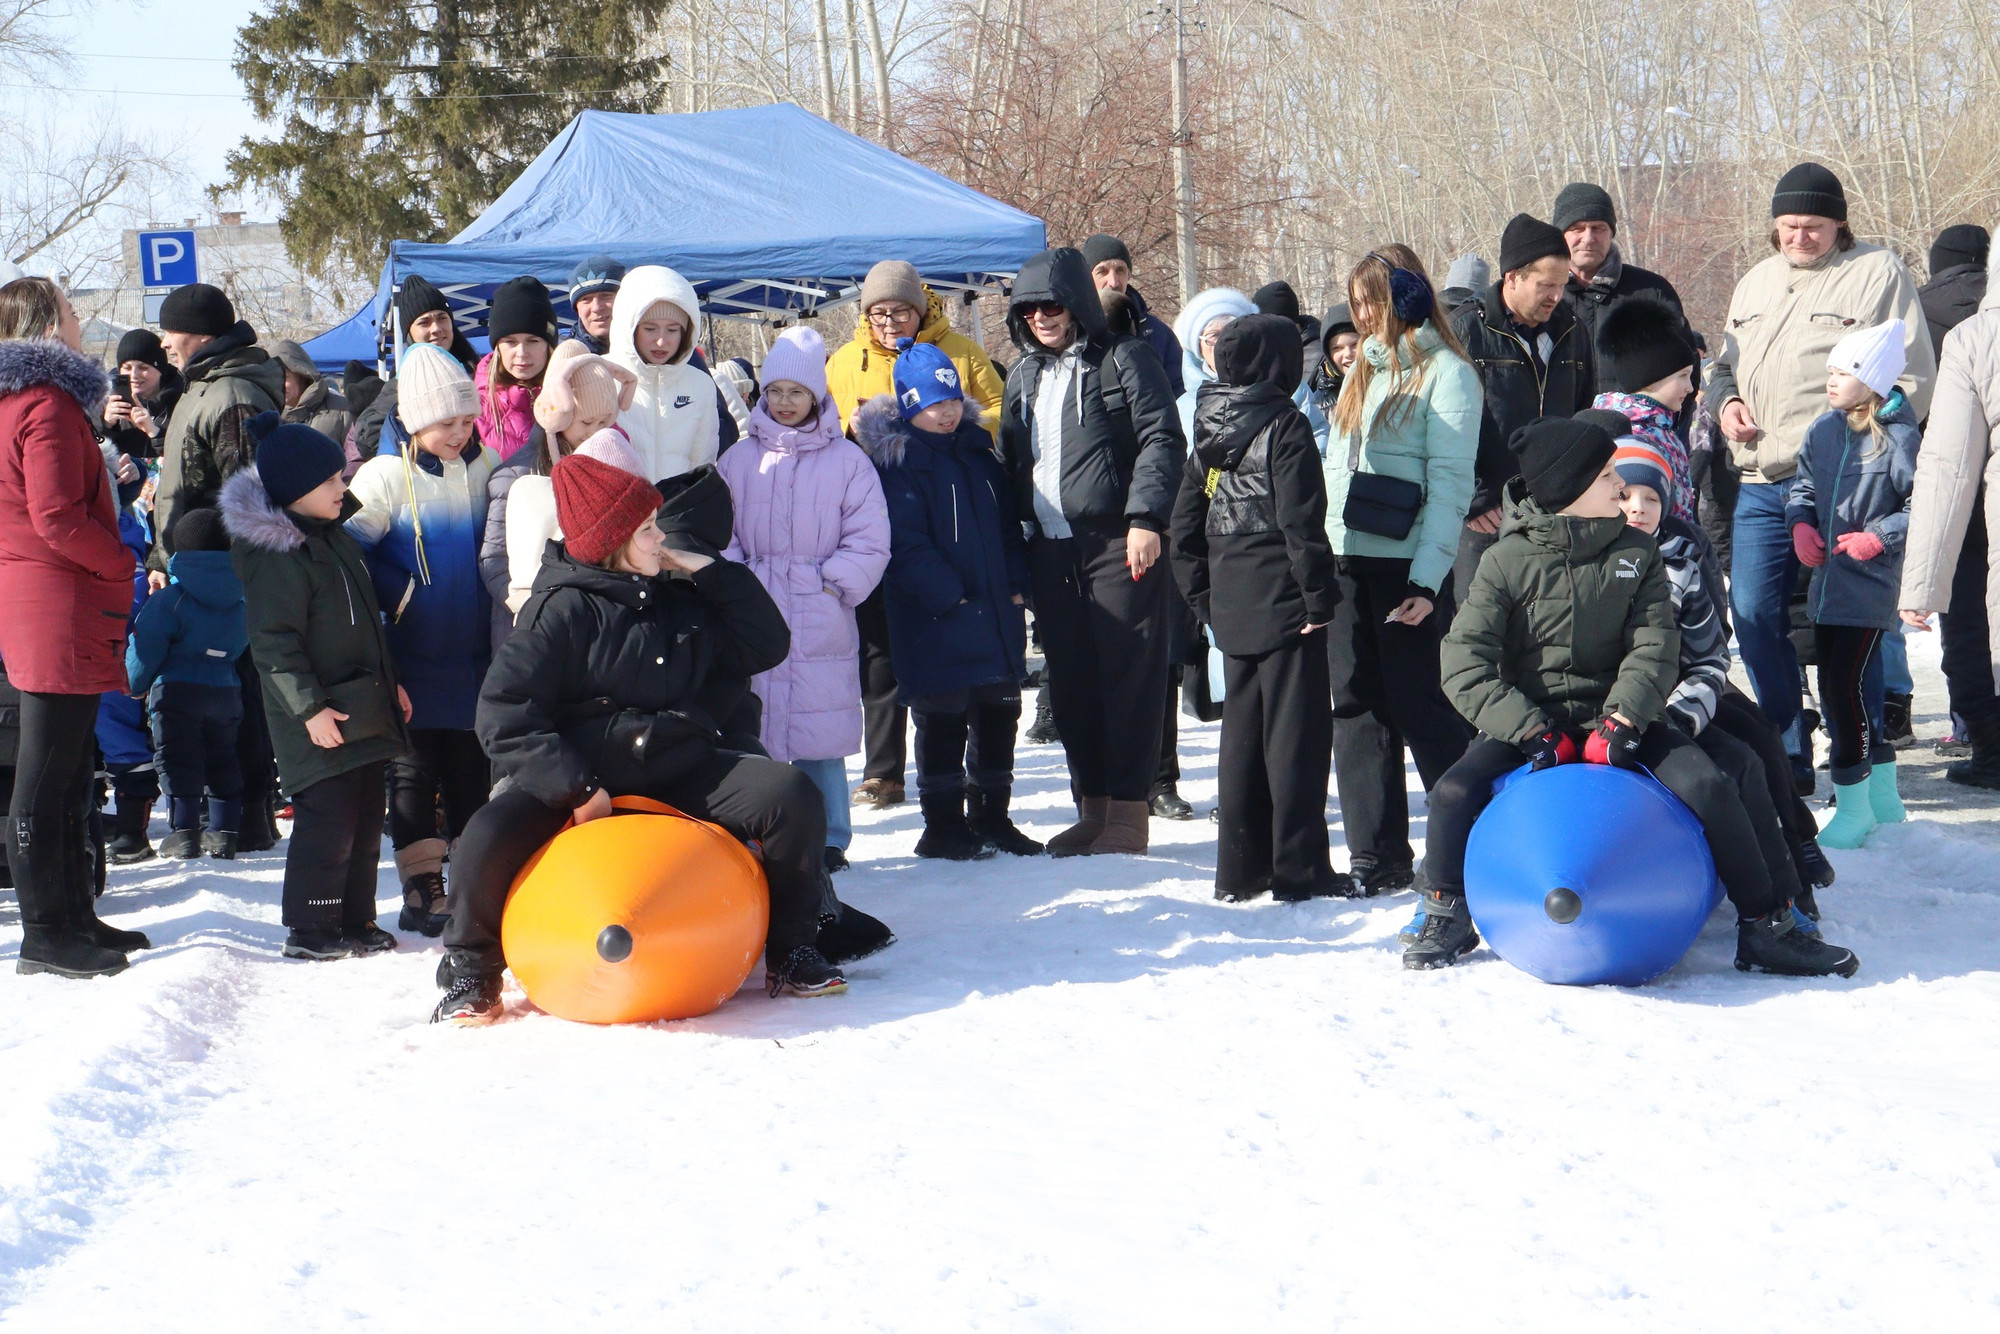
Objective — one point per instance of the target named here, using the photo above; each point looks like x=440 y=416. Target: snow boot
x=367 y=938
x=946 y=835
x=1896 y=721
x=1376 y=877
x=1813 y=866
x=852 y=934
x=986 y=813
x=1775 y=943
x=878 y=792
x=471 y=991
x=805 y=973
x=318 y=945
x=1853 y=817
x=1077 y=840
x=181 y=845
x=834 y=860
x=1127 y=829
x=258 y=829
x=421 y=868
x=1166 y=803
x=1042 y=732
x=129 y=845
x=67 y=953
x=1332 y=885
x=1883 y=799
x=1983 y=769
x=1447 y=934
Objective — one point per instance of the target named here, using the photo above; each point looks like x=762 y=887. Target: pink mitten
x=1809 y=545
x=1863 y=545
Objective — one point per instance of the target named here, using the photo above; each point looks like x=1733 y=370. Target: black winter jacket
x=1617 y=279
x=622 y=682
x=1950 y=298
x=1122 y=442
x=1516 y=393
x=1250 y=550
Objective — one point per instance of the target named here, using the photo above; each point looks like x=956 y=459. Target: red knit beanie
x=599 y=506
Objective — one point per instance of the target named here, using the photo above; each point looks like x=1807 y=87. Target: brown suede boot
x=1126 y=828
x=1080 y=839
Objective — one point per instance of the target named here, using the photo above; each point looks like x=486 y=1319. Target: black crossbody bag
x=1377 y=505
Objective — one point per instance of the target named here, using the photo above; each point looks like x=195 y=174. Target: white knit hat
x=431 y=386
x=1873 y=356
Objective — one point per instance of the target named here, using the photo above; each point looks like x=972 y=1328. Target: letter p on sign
x=166 y=259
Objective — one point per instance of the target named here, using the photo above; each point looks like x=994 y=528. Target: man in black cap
x=1958 y=279
x=593 y=287
x=1598 y=274
x=1111 y=270
x=1534 y=361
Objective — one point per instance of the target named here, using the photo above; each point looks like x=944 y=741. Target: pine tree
x=402 y=121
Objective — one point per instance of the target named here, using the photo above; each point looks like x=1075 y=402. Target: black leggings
x=441 y=767
x=1843 y=652
x=1464 y=792
x=48 y=843
x=750 y=796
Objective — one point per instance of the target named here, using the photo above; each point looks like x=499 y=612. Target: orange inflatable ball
x=636 y=917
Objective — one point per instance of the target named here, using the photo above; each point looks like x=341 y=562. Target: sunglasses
x=1048 y=310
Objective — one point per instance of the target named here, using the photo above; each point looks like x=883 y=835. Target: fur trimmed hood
x=251 y=517
x=884 y=436
x=27 y=362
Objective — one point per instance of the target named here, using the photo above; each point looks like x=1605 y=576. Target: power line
x=392 y=96
x=359 y=64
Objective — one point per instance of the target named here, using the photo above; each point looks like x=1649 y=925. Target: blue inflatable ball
x=1584 y=873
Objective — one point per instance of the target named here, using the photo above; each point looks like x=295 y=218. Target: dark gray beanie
x=1811 y=189
x=1105 y=246
x=1581 y=201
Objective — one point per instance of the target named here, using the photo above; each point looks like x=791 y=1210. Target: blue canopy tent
x=771 y=212
x=353 y=339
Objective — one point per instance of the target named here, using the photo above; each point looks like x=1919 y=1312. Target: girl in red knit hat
x=628 y=665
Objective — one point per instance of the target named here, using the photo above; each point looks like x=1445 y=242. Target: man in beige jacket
x=1769 y=384
x=1946 y=561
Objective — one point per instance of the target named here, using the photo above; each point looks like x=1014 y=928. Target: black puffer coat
x=1951 y=298
x=1122 y=442
x=1516 y=393
x=622 y=682
x=1250 y=549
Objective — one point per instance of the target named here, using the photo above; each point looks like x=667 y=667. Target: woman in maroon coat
x=65 y=594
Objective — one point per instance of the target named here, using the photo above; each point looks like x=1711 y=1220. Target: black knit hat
x=1277 y=298
x=202 y=530
x=143 y=345
x=1560 y=458
x=1811 y=189
x=197 y=309
x=696 y=512
x=1580 y=201
x=415 y=297
x=1967 y=243
x=1527 y=239
x=522 y=306
x=1641 y=340
x=1105 y=246
x=292 y=458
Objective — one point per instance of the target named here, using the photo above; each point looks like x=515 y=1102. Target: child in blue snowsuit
x=125 y=737
x=182 y=655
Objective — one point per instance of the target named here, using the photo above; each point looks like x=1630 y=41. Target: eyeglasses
x=1048 y=310
x=892 y=316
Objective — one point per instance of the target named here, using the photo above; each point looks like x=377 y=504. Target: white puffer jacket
x=673 y=423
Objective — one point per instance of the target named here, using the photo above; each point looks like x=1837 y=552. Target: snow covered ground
x=1075 y=1096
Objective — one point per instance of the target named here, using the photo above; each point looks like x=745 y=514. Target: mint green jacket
x=1431 y=440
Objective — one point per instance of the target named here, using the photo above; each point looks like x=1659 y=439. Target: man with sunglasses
x=1090 y=433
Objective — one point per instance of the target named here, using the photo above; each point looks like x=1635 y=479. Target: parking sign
x=166 y=259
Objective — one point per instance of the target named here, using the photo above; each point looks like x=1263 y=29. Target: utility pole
x=1183 y=146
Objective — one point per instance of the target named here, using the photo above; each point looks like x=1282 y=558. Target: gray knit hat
x=1580 y=201
x=894 y=280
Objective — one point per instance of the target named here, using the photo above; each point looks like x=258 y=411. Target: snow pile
x=1077 y=1095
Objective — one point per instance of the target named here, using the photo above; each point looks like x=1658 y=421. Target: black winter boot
x=805 y=973
x=946 y=835
x=1042 y=732
x=1983 y=769
x=260 y=825
x=1447 y=936
x=68 y=954
x=1377 y=877
x=1774 y=943
x=1813 y=866
x=471 y=991
x=1167 y=803
x=851 y=934
x=56 y=903
x=1333 y=885
x=421 y=866
x=986 y=814
x=129 y=845
x=1896 y=721
x=318 y=944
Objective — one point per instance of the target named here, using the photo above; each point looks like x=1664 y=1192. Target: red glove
x=1549 y=749
x=1808 y=544
x=1862 y=545
x=1613 y=743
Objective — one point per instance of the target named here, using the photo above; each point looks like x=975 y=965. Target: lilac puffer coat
x=812 y=524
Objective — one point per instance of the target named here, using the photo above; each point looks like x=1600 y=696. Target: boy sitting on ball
x=1568 y=628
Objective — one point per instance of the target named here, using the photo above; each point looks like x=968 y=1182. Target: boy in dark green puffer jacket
x=1568 y=629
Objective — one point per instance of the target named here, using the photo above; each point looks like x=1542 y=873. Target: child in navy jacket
x=182 y=655
x=954 y=593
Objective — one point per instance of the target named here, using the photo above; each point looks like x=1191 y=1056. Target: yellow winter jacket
x=1784 y=320
x=861 y=369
